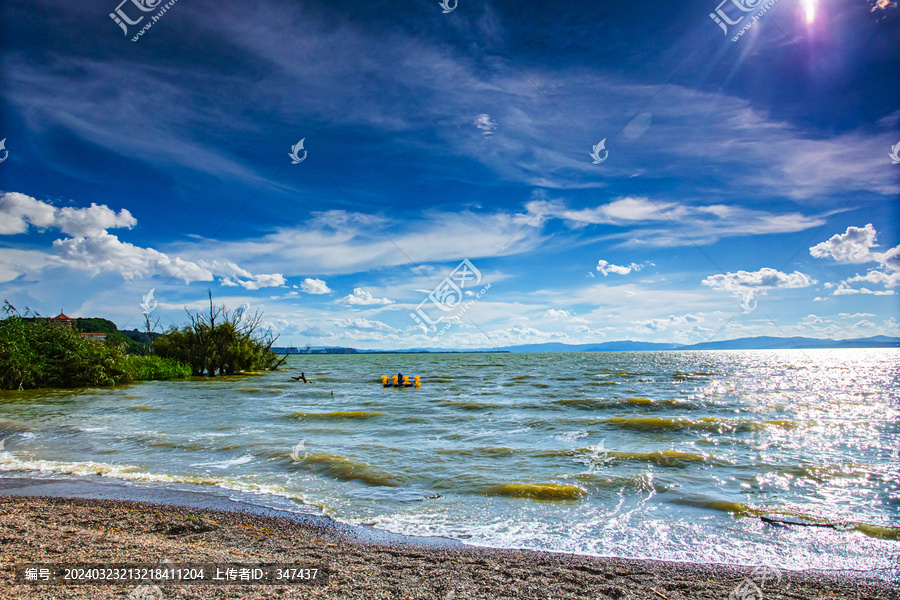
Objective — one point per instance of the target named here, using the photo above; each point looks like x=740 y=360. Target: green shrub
x=36 y=352
x=221 y=342
x=41 y=354
x=144 y=368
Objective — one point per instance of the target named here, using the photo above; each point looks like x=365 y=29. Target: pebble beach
x=77 y=530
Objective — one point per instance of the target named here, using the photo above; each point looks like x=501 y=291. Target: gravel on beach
x=68 y=530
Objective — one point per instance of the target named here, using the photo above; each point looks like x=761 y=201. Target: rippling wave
x=788 y=458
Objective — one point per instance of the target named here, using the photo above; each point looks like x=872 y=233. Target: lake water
x=666 y=455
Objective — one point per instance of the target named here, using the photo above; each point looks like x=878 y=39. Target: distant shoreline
x=754 y=343
x=41 y=529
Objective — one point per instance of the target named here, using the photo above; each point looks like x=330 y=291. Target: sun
x=809 y=8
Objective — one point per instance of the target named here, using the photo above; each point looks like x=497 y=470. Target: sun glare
x=809 y=7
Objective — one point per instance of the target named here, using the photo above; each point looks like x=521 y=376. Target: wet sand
x=360 y=563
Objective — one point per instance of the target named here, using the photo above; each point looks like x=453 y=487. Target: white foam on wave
x=11 y=463
x=631 y=534
x=571 y=436
x=225 y=463
x=209 y=434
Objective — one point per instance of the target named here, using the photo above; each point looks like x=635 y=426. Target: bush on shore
x=220 y=342
x=38 y=354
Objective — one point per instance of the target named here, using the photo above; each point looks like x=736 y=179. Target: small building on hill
x=62 y=319
x=100 y=337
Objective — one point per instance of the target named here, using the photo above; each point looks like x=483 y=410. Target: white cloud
x=855 y=315
x=692 y=333
x=264 y=280
x=106 y=252
x=553 y=313
x=845 y=290
x=887 y=279
x=18 y=212
x=314 y=331
x=364 y=298
x=92 y=248
x=619 y=211
x=849 y=247
x=363 y=324
x=586 y=330
x=765 y=278
x=606 y=268
x=314 y=286
x=485 y=124
x=855 y=246
x=522 y=334
x=657 y=325
x=232 y=275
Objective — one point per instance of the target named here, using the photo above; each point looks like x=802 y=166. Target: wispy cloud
x=485 y=124
x=667 y=223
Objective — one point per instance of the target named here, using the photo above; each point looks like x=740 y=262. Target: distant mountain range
x=751 y=343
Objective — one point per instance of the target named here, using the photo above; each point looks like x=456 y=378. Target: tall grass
x=143 y=368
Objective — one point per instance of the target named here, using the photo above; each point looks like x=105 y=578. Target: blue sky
x=747 y=190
